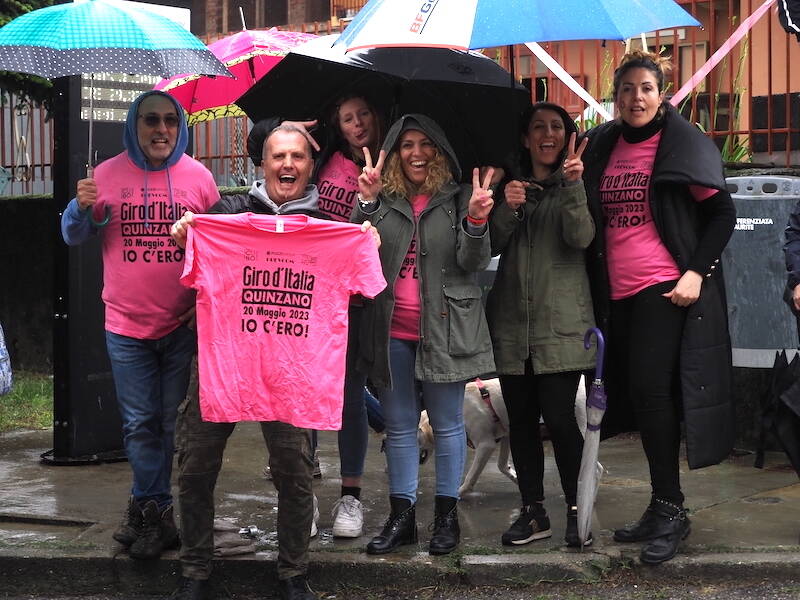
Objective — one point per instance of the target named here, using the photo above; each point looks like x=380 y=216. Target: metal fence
x=749 y=104
x=26 y=148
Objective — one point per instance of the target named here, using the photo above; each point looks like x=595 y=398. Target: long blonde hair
x=395 y=182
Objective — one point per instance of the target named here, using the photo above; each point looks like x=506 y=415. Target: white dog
x=486 y=423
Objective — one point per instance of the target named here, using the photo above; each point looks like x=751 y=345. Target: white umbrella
x=591 y=470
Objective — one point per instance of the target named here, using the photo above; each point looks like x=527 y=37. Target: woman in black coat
x=657 y=192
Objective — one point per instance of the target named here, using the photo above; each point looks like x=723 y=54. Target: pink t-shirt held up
x=637 y=258
x=272 y=300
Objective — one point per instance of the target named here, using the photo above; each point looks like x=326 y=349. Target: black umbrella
x=789 y=16
x=468 y=94
x=781 y=410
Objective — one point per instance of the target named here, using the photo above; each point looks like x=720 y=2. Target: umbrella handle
x=601 y=347
x=105 y=221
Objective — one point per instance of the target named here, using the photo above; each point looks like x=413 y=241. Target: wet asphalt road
x=606 y=590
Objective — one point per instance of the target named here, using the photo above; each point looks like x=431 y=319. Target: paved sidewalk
x=56 y=524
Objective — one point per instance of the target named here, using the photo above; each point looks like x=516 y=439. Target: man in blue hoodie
x=131 y=202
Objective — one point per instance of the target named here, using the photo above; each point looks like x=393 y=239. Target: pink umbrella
x=248 y=54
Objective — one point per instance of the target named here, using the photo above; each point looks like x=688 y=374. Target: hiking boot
x=158 y=532
x=639 y=531
x=348 y=517
x=295 y=588
x=670 y=528
x=571 y=536
x=446 y=531
x=532 y=524
x=192 y=589
x=400 y=528
x=128 y=530
x=315 y=519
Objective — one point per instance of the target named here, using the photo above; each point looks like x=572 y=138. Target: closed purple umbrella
x=591 y=470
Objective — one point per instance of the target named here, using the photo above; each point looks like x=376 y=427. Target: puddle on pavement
x=30 y=535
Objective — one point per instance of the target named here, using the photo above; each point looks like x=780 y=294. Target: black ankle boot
x=671 y=526
x=446 y=532
x=641 y=530
x=400 y=527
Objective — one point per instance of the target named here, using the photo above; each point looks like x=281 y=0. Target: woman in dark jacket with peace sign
x=657 y=193
x=538 y=310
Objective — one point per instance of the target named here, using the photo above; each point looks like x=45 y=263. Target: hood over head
x=527 y=116
x=427 y=126
x=130 y=138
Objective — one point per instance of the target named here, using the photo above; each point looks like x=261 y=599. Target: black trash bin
x=755 y=277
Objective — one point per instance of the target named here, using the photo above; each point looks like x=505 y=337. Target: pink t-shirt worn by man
x=141 y=263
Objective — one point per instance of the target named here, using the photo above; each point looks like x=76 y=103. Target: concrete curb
x=244 y=576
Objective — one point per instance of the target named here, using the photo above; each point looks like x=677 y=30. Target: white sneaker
x=315 y=520
x=348 y=514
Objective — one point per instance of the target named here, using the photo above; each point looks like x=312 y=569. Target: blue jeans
x=353 y=435
x=401 y=409
x=151 y=377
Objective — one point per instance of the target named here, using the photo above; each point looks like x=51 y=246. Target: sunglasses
x=171 y=121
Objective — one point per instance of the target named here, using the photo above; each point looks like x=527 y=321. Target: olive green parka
x=454 y=342
x=540 y=303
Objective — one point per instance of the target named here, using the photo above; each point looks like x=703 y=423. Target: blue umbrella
x=471 y=24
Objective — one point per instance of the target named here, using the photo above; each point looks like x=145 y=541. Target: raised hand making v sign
x=573 y=163
x=369 y=182
x=481 y=202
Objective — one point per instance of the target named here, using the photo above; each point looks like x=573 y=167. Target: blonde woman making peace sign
x=426 y=334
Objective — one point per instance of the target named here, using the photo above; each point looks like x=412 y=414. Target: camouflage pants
x=200 y=448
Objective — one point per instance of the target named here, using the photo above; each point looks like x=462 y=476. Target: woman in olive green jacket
x=538 y=310
x=426 y=333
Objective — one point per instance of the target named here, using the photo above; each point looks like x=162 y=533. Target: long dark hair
x=524 y=162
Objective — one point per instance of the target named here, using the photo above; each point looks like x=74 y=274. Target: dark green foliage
x=26 y=88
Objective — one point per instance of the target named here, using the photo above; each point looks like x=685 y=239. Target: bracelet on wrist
x=363 y=201
x=474 y=221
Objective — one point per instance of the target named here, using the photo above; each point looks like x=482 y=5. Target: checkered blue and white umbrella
x=102 y=36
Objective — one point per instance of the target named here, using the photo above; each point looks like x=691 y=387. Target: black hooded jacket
x=695 y=234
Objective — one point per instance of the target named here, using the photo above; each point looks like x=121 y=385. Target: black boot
x=192 y=589
x=158 y=532
x=571 y=536
x=671 y=526
x=128 y=530
x=295 y=588
x=446 y=532
x=641 y=530
x=400 y=527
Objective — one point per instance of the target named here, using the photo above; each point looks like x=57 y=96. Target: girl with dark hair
x=657 y=193
x=538 y=310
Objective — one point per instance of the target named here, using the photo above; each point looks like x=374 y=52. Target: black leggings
x=644 y=351
x=527 y=397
